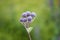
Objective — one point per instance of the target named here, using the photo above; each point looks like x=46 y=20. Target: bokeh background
x=45 y=27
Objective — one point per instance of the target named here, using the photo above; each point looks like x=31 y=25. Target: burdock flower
x=28 y=13
x=28 y=16
x=24 y=14
x=29 y=19
x=23 y=20
x=33 y=14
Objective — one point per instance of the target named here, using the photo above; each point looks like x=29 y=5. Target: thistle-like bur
x=29 y=19
x=26 y=19
x=23 y=20
x=28 y=13
x=24 y=15
x=33 y=14
x=27 y=16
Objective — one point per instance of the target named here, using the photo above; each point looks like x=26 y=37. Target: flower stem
x=29 y=36
x=27 y=26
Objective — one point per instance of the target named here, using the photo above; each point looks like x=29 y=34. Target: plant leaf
x=29 y=29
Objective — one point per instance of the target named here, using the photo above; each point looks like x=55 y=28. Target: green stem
x=26 y=25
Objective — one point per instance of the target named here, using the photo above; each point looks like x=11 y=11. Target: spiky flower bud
x=24 y=14
x=23 y=20
x=33 y=14
x=28 y=13
x=29 y=19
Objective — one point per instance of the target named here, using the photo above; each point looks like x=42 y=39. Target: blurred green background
x=45 y=25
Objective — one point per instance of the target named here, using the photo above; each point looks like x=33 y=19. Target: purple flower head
x=29 y=19
x=24 y=14
x=28 y=13
x=33 y=14
x=23 y=20
x=27 y=16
